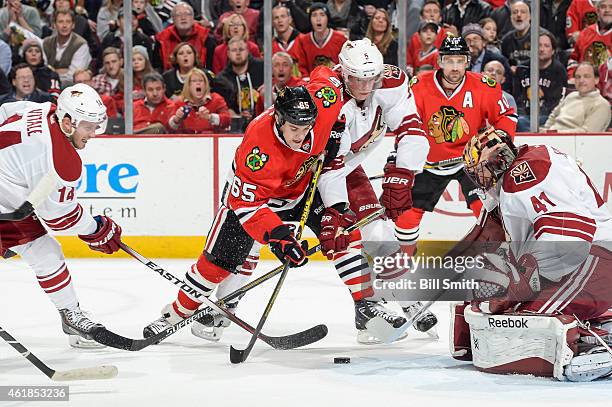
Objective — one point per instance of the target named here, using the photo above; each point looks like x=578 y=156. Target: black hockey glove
x=285 y=246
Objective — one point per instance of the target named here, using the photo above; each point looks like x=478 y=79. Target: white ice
x=186 y=370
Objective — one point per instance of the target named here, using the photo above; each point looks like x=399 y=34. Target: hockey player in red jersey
x=554 y=273
x=453 y=105
x=271 y=171
x=376 y=97
x=39 y=162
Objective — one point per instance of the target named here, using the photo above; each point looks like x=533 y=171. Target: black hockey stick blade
x=25 y=210
x=109 y=338
x=297 y=340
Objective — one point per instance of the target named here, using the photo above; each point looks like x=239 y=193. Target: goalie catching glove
x=286 y=247
x=107 y=237
x=333 y=238
x=508 y=281
x=397 y=189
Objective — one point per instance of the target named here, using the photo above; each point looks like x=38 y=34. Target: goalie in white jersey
x=39 y=164
x=551 y=280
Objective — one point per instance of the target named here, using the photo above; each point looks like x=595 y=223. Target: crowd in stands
x=197 y=65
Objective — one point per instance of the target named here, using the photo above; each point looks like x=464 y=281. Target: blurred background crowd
x=197 y=64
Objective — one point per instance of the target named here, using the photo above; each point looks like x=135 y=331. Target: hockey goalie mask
x=487 y=156
x=362 y=67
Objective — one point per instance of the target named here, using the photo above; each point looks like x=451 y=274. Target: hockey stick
x=88 y=373
x=38 y=195
x=240 y=355
x=309 y=336
x=427 y=166
x=277 y=342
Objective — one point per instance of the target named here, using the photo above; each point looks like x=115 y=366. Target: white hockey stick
x=88 y=373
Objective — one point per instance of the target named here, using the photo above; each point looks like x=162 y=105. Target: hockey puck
x=342 y=360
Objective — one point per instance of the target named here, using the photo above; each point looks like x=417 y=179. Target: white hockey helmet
x=360 y=59
x=82 y=103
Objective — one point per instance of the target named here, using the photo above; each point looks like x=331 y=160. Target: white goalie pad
x=540 y=345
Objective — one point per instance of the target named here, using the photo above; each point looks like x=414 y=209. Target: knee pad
x=44 y=255
x=378 y=238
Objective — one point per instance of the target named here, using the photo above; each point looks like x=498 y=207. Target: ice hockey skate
x=424 y=323
x=213 y=331
x=365 y=310
x=78 y=326
x=169 y=317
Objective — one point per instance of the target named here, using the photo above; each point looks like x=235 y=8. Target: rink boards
x=164 y=190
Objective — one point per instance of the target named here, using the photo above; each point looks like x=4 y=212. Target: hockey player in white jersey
x=551 y=279
x=377 y=97
x=39 y=164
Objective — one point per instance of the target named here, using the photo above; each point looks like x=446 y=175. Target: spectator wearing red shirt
x=321 y=46
x=594 y=44
x=284 y=32
x=85 y=76
x=184 y=29
x=234 y=26
x=580 y=15
x=241 y=7
x=152 y=114
x=428 y=53
x=199 y=109
x=282 y=75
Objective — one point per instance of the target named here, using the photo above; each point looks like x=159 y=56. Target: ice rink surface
x=188 y=371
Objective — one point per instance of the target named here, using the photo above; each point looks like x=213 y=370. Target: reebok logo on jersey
x=508 y=323
x=522 y=173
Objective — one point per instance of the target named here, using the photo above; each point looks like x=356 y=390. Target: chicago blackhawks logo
x=522 y=173
x=328 y=96
x=306 y=165
x=447 y=125
x=596 y=53
x=590 y=17
x=256 y=161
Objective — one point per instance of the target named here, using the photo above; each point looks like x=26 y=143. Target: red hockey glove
x=107 y=238
x=332 y=236
x=286 y=247
x=397 y=190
